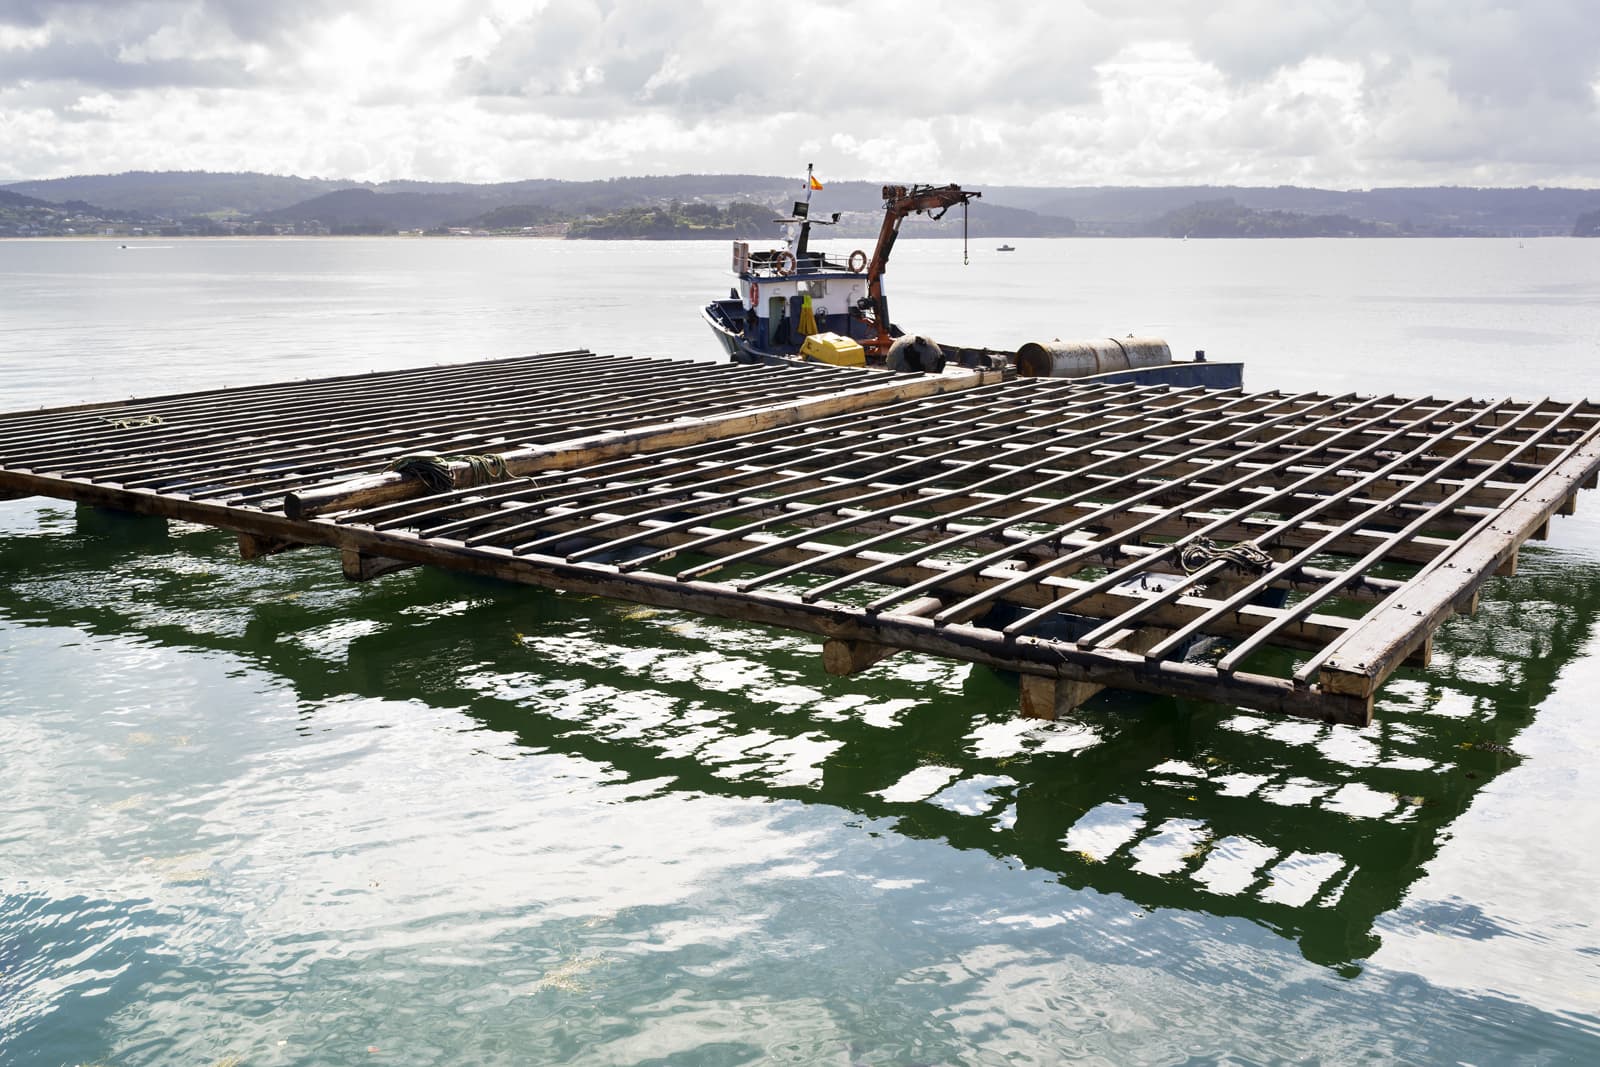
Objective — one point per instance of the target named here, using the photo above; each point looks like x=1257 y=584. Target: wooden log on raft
x=391 y=486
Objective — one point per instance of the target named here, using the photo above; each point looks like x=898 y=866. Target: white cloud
x=1331 y=92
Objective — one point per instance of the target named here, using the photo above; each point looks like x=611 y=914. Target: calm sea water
x=251 y=814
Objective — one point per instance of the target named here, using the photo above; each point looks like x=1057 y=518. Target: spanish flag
x=814 y=183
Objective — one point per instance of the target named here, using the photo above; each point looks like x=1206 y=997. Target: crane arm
x=898 y=202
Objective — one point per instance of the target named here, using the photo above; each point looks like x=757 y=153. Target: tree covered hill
x=1227 y=218
x=180 y=194
x=679 y=205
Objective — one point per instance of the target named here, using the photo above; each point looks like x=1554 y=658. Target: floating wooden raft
x=1281 y=552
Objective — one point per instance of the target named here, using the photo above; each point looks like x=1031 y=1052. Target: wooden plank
x=1028 y=655
x=255 y=546
x=1363 y=658
x=1373 y=558
x=845 y=657
x=1051 y=698
x=382 y=488
x=909 y=460
x=1172 y=554
x=266 y=469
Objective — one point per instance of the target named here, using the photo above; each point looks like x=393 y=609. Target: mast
x=801 y=234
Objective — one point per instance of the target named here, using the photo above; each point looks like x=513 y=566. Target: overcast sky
x=1340 y=93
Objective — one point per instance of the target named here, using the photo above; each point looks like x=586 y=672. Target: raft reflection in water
x=1312 y=831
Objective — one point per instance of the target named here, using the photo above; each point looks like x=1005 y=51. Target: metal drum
x=1077 y=359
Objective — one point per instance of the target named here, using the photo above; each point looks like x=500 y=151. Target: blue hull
x=724 y=316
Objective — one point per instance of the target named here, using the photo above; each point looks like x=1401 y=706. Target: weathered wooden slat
x=1308 y=603
x=255 y=546
x=1312 y=632
x=349 y=430
x=361 y=566
x=1361 y=660
x=1051 y=698
x=1173 y=553
x=1271 y=538
x=1025 y=655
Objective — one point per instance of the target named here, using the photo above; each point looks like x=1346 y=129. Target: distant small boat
x=1006 y=248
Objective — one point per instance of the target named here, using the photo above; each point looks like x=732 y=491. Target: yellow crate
x=834 y=348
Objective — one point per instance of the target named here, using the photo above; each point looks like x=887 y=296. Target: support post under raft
x=1051 y=698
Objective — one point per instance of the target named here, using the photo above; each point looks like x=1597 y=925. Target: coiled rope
x=1202 y=550
x=134 y=422
x=433 y=470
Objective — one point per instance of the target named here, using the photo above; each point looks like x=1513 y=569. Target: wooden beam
x=1362 y=659
x=609 y=444
x=255 y=546
x=1113 y=668
x=1315 y=631
x=1051 y=698
x=363 y=567
x=844 y=657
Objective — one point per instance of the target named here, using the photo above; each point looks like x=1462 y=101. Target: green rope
x=433 y=470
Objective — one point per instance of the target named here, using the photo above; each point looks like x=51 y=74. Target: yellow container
x=835 y=349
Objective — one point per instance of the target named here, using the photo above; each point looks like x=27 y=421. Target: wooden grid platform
x=1280 y=552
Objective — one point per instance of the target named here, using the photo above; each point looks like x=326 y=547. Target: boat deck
x=1280 y=552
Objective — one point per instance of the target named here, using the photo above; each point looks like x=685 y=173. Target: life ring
x=786 y=262
x=858 y=261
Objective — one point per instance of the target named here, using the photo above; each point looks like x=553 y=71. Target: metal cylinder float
x=915 y=353
x=1101 y=355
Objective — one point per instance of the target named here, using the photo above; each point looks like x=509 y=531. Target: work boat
x=799 y=303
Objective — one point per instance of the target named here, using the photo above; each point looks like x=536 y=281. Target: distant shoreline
x=88 y=238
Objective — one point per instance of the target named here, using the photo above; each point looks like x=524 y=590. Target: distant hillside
x=17 y=201
x=1226 y=218
x=1420 y=210
x=676 y=222
x=195 y=201
x=27 y=216
x=181 y=194
x=368 y=211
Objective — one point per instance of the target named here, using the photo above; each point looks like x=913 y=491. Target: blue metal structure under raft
x=1275 y=551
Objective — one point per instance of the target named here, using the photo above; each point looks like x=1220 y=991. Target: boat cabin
x=779 y=287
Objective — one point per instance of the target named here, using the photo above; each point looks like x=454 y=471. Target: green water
x=252 y=813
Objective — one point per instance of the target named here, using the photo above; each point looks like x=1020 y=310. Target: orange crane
x=898 y=202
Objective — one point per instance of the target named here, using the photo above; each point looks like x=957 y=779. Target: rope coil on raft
x=1245 y=555
x=434 y=470
x=134 y=422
